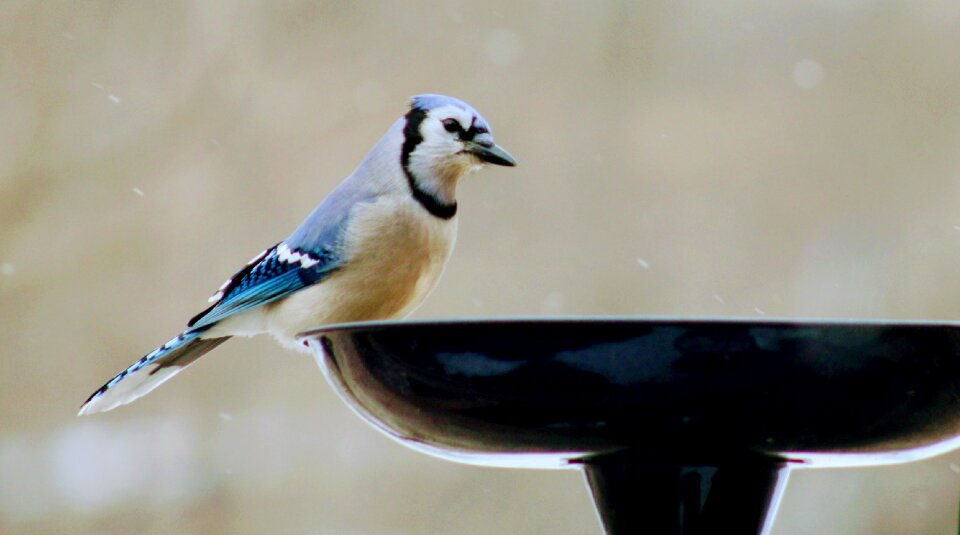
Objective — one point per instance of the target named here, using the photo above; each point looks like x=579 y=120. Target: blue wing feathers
x=279 y=272
x=266 y=291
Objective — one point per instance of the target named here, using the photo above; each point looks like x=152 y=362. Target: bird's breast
x=395 y=253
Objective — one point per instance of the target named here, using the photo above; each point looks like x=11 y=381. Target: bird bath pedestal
x=680 y=425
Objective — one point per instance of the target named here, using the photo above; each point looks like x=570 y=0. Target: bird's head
x=444 y=138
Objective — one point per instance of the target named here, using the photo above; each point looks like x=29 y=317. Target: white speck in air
x=114 y=98
x=503 y=47
x=759 y=311
x=643 y=263
x=138 y=191
x=718 y=298
x=553 y=302
x=808 y=73
x=7 y=269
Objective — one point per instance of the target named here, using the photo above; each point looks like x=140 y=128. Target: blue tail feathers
x=150 y=371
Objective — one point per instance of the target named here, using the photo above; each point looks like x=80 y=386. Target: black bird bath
x=680 y=425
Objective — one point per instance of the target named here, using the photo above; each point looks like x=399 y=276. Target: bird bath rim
x=796 y=458
x=640 y=318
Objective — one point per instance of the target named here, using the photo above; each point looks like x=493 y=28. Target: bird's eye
x=452 y=126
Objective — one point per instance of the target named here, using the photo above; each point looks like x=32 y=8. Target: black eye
x=451 y=125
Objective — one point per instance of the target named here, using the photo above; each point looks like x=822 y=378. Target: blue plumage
x=430 y=101
x=276 y=275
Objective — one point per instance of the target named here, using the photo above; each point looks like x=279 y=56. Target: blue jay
x=373 y=249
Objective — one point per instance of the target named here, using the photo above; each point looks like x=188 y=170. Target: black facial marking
x=473 y=131
x=411 y=138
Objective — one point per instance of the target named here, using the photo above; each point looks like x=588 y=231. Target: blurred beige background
x=797 y=158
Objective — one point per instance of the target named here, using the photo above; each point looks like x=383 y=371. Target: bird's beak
x=489 y=152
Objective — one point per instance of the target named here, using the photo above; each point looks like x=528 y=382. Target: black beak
x=490 y=152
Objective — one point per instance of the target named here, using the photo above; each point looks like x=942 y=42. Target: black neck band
x=412 y=138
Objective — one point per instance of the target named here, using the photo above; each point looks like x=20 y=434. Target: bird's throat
x=433 y=200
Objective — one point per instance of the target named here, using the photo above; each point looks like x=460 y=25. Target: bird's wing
x=277 y=272
x=307 y=256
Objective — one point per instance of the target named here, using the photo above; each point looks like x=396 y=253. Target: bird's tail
x=150 y=371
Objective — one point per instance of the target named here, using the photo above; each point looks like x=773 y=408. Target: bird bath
x=680 y=425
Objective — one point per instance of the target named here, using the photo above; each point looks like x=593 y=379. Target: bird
x=373 y=249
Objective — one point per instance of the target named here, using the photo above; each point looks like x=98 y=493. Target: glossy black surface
x=675 y=391
x=634 y=496
x=681 y=426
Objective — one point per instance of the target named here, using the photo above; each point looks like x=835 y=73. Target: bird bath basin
x=680 y=425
